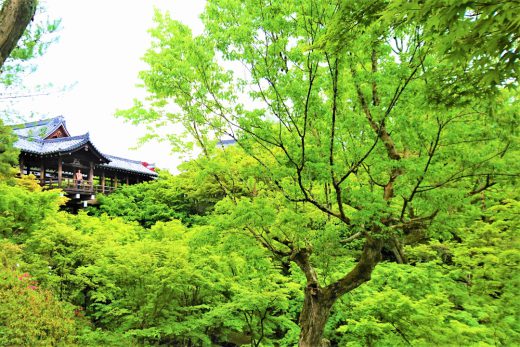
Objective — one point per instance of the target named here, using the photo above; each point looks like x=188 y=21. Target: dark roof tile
x=118 y=163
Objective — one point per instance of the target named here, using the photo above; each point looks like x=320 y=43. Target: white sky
x=99 y=52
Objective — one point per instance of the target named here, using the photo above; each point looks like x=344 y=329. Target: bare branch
x=265 y=243
x=431 y=153
x=460 y=174
x=355 y=166
x=483 y=187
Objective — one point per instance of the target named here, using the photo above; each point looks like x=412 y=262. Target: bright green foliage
x=64 y=243
x=169 y=197
x=8 y=154
x=186 y=196
x=22 y=210
x=475 y=44
x=485 y=261
x=214 y=284
x=30 y=315
x=482 y=37
x=90 y=336
x=145 y=203
x=169 y=287
x=259 y=300
x=406 y=305
x=456 y=293
x=165 y=284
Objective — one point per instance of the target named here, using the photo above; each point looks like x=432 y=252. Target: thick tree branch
x=362 y=272
x=302 y=258
x=15 y=16
x=379 y=129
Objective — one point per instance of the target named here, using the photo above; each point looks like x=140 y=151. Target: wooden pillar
x=103 y=181
x=21 y=165
x=42 y=173
x=60 y=171
x=91 y=175
x=115 y=182
x=127 y=180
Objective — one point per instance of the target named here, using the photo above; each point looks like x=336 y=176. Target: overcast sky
x=99 y=52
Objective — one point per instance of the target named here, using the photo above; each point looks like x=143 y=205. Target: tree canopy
x=352 y=126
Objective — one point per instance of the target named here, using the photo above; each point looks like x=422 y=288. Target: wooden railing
x=71 y=186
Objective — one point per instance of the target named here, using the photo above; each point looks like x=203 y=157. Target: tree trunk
x=15 y=16
x=315 y=313
x=318 y=301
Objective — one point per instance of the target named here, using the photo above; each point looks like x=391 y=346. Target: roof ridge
x=125 y=159
x=36 y=123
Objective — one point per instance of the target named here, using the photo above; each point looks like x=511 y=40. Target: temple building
x=48 y=151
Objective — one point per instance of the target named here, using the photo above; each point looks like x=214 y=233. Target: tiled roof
x=122 y=164
x=39 y=129
x=58 y=145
